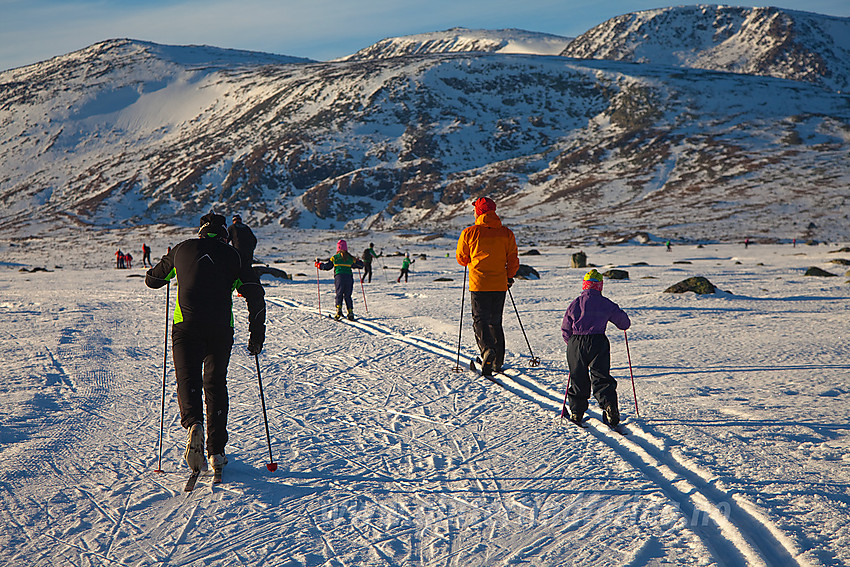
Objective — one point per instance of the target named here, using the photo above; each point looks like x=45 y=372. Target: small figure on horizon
x=128 y=260
x=668 y=246
x=119 y=259
x=342 y=262
x=746 y=243
x=405 y=268
x=146 y=256
x=368 y=255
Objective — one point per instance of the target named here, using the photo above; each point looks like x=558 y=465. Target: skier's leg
x=479 y=320
x=599 y=363
x=579 y=391
x=347 y=284
x=188 y=354
x=219 y=344
x=497 y=308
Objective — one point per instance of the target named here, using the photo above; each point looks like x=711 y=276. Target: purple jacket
x=589 y=314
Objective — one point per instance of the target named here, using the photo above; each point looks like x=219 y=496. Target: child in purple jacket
x=588 y=349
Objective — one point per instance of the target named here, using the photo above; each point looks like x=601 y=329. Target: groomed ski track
x=730 y=526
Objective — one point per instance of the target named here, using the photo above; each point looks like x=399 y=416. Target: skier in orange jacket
x=490 y=251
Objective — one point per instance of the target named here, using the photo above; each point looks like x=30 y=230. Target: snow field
x=389 y=457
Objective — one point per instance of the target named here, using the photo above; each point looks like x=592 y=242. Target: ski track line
x=746 y=535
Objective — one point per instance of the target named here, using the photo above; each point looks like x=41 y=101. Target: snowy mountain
x=128 y=132
x=757 y=41
x=458 y=40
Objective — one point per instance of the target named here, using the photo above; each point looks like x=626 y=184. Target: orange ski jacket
x=489 y=249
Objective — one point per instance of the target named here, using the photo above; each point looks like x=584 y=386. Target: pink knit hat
x=342 y=246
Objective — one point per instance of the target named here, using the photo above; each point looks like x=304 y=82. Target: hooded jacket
x=589 y=314
x=490 y=251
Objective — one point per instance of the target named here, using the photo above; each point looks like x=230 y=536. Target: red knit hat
x=484 y=205
x=342 y=246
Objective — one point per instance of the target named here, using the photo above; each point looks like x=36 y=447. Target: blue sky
x=34 y=30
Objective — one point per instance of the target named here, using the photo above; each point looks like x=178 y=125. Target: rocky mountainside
x=457 y=40
x=757 y=41
x=128 y=132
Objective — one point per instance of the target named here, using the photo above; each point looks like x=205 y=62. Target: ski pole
x=164 y=371
x=566 y=392
x=318 y=290
x=272 y=466
x=629 y=356
x=363 y=289
x=460 y=326
x=534 y=360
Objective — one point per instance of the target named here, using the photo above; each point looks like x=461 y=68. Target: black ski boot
x=611 y=415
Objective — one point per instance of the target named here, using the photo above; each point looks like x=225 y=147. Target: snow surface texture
x=387 y=456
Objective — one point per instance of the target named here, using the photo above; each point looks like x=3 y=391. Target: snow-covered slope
x=759 y=41
x=461 y=40
x=129 y=132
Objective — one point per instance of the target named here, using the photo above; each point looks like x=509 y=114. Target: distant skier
x=405 y=268
x=668 y=246
x=119 y=259
x=368 y=255
x=202 y=334
x=588 y=349
x=242 y=238
x=146 y=256
x=128 y=260
x=490 y=251
x=342 y=263
x=746 y=243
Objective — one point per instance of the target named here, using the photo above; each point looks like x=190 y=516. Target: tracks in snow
x=732 y=528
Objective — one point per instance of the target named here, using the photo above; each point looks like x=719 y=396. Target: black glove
x=510 y=282
x=255 y=343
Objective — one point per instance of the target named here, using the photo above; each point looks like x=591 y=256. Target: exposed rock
x=840 y=262
x=527 y=273
x=531 y=252
x=616 y=274
x=443 y=279
x=696 y=284
x=578 y=260
x=817 y=272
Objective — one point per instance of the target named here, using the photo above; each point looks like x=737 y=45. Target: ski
x=576 y=423
x=192 y=481
x=475 y=366
x=617 y=428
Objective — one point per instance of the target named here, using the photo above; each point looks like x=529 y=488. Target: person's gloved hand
x=317 y=263
x=510 y=282
x=255 y=343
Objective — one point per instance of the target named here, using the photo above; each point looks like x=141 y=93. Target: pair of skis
x=475 y=365
x=195 y=475
x=616 y=429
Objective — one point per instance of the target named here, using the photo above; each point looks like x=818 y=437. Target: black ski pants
x=487 y=308
x=344 y=286
x=201 y=355
x=367 y=271
x=589 y=359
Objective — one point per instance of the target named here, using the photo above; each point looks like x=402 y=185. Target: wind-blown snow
x=387 y=456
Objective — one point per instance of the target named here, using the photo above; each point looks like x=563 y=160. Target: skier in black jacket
x=208 y=271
